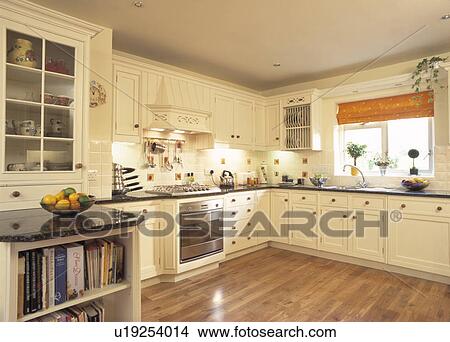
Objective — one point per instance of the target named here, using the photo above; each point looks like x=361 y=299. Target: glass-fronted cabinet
x=41 y=104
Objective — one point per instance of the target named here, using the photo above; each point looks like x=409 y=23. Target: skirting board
x=360 y=262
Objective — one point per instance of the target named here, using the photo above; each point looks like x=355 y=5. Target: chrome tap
x=362 y=183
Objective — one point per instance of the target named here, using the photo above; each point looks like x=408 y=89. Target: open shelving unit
x=122 y=301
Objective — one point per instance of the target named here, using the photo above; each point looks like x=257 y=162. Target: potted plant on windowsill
x=383 y=162
x=356 y=151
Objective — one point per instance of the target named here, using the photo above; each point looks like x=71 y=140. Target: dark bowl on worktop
x=414 y=186
x=69 y=212
x=318 y=181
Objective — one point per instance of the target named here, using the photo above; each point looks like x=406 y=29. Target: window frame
x=385 y=148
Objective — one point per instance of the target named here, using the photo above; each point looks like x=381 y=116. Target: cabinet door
x=260 y=126
x=371 y=244
x=243 y=122
x=273 y=125
x=223 y=118
x=298 y=237
x=263 y=211
x=335 y=241
x=421 y=243
x=126 y=104
x=148 y=242
x=279 y=206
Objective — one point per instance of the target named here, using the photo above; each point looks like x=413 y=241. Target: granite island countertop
x=142 y=196
x=28 y=225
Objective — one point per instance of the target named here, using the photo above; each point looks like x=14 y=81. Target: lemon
x=48 y=200
x=60 y=196
x=75 y=205
x=74 y=197
x=62 y=205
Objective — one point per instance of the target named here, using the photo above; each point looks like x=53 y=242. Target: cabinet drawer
x=237 y=239
x=239 y=213
x=367 y=202
x=233 y=200
x=304 y=197
x=29 y=196
x=334 y=200
x=424 y=207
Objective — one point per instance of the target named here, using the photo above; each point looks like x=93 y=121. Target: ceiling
x=239 y=40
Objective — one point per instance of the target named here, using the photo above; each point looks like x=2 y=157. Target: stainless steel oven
x=201 y=229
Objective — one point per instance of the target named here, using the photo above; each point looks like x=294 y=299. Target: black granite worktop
x=27 y=225
x=142 y=196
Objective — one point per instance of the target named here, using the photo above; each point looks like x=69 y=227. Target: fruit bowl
x=68 y=202
x=69 y=212
x=318 y=181
x=415 y=184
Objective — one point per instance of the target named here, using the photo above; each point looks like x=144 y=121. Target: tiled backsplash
x=279 y=163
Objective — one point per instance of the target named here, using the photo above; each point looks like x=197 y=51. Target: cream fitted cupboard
x=279 y=210
x=233 y=120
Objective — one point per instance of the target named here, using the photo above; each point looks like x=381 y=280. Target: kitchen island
x=22 y=231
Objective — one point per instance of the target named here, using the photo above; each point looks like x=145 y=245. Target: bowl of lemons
x=67 y=202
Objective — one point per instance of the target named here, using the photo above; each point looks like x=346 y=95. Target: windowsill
x=387 y=175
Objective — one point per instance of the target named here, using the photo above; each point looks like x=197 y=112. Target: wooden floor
x=278 y=285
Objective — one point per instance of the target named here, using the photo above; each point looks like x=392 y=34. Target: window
x=394 y=138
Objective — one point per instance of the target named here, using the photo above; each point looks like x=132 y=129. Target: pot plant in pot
x=426 y=73
x=383 y=162
x=355 y=151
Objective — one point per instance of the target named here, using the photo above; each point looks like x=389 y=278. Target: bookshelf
x=121 y=300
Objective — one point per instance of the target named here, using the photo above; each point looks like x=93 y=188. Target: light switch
x=92 y=175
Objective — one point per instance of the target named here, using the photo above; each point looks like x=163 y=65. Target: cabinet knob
x=249 y=224
x=233 y=228
x=367 y=202
x=248 y=198
x=354 y=217
x=238 y=136
x=233 y=213
x=248 y=238
x=285 y=199
x=249 y=210
x=277 y=138
x=136 y=125
x=144 y=211
x=403 y=206
x=314 y=213
x=15 y=193
x=79 y=165
x=233 y=200
x=344 y=216
x=439 y=208
x=232 y=135
x=303 y=198
x=333 y=200
x=233 y=242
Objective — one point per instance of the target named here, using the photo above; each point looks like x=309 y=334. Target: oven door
x=201 y=234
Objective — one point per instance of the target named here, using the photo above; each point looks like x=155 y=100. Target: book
x=27 y=289
x=44 y=286
x=38 y=279
x=50 y=276
x=21 y=286
x=34 y=292
x=75 y=270
x=60 y=275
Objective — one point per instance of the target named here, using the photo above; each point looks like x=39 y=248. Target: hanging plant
x=427 y=73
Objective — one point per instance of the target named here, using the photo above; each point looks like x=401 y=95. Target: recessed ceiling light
x=179 y=131
x=157 y=129
x=277 y=64
x=138 y=4
x=445 y=17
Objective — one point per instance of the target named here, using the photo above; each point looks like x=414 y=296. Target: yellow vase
x=354 y=171
x=22 y=53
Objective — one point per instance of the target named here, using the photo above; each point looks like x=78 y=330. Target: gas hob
x=180 y=190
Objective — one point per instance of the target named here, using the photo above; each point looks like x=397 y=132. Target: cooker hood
x=177 y=108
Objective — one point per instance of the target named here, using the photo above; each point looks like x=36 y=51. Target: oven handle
x=206 y=212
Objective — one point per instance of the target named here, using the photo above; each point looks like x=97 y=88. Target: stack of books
x=51 y=276
x=93 y=312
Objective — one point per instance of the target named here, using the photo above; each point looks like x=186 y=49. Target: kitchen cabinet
x=43 y=111
x=420 y=241
x=262 y=226
x=127 y=103
x=300 y=237
x=279 y=208
x=273 y=124
x=336 y=240
x=233 y=121
x=260 y=126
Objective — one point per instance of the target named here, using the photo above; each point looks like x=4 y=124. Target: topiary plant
x=356 y=151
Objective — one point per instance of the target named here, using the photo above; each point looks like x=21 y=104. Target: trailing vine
x=427 y=72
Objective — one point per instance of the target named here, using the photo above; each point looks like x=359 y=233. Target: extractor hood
x=180 y=106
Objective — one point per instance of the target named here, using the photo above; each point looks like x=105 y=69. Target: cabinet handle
x=344 y=216
x=79 y=165
x=367 y=202
x=238 y=136
x=248 y=238
x=249 y=224
x=248 y=198
x=233 y=213
x=233 y=200
x=136 y=125
x=277 y=138
x=314 y=213
x=403 y=206
x=249 y=210
x=354 y=217
x=233 y=242
x=303 y=198
x=439 y=208
x=232 y=135
x=333 y=200
x=15 y=193
x=233 y=228
x=285 y=199
x=145 y=211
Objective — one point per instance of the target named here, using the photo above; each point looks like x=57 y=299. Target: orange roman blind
x=407 y=106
